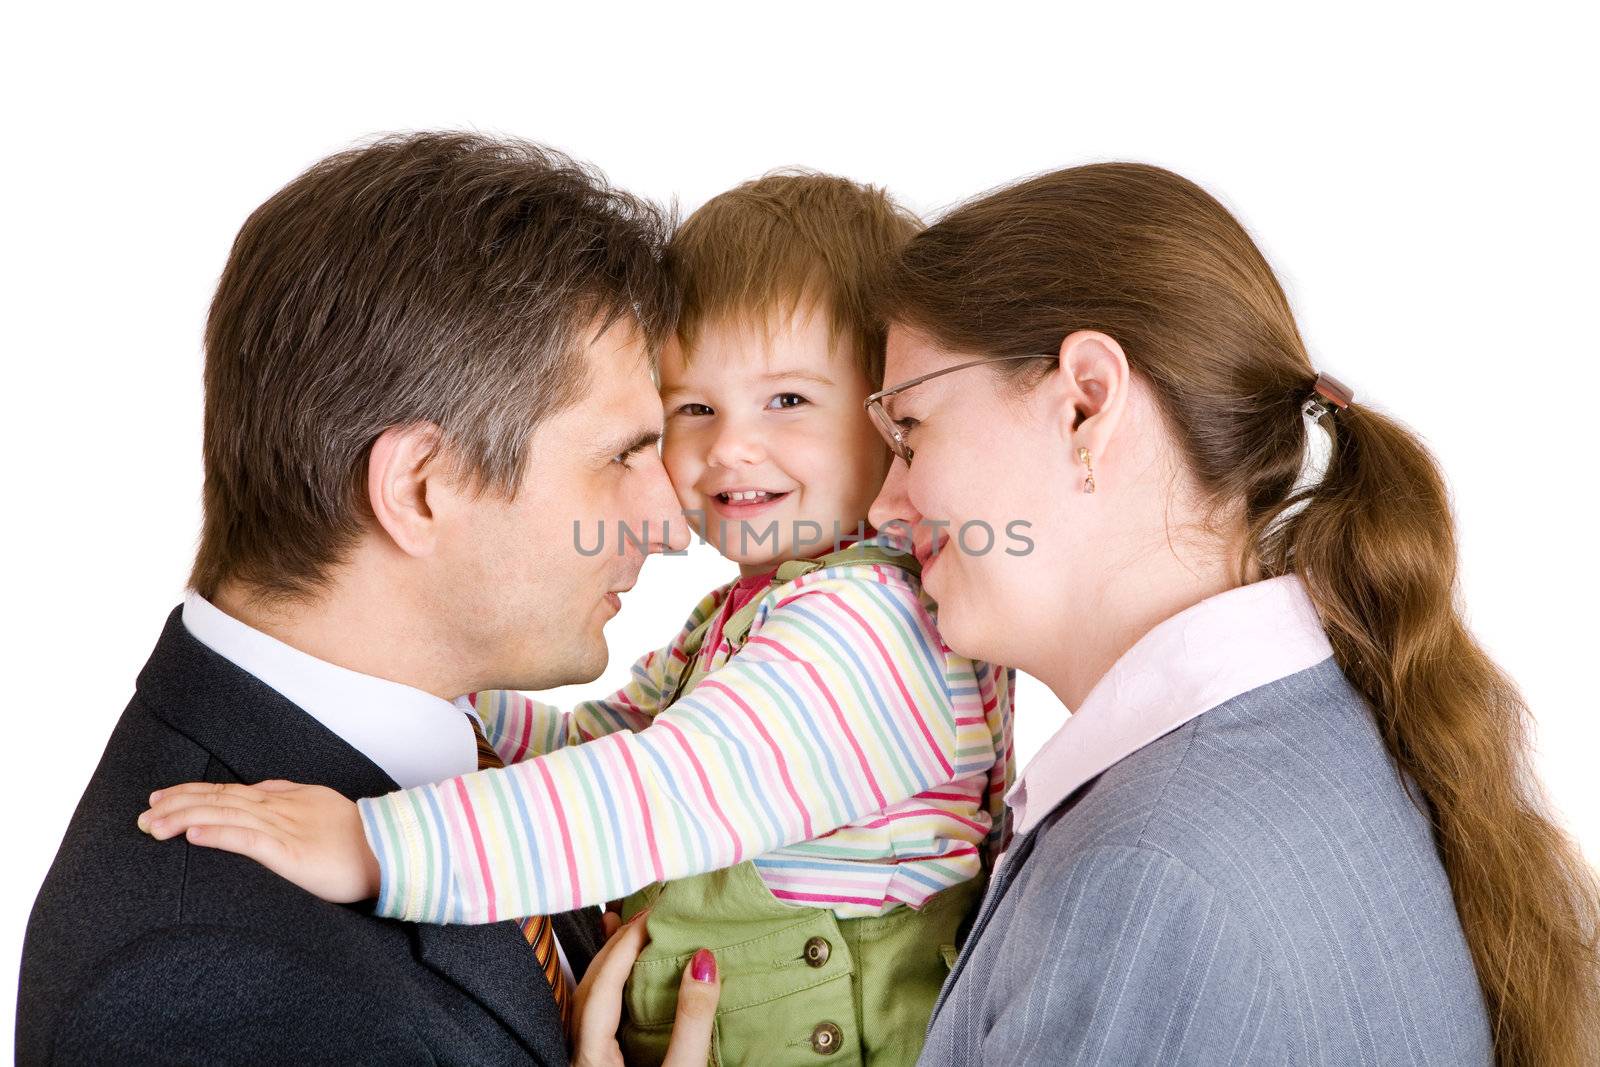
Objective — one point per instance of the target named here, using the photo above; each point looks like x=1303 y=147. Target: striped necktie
x=538 y=930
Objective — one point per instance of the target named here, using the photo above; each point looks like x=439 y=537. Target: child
x=805 y=780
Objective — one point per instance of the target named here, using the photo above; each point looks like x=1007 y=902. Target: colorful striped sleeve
x=520 y=727
x=836 y=708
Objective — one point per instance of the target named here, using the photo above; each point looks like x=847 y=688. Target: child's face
x=766 y=439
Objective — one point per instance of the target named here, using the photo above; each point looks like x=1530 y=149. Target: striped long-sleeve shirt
x=858 y=762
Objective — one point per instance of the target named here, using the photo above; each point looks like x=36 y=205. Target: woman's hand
x=598 y=1007
x=309 y=834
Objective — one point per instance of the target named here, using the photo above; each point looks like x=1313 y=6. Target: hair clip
x=1327 y=396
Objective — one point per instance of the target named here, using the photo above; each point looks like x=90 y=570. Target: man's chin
x=555 y=667
x=586 y=667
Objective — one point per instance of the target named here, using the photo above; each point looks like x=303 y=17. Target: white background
x=1422 y=180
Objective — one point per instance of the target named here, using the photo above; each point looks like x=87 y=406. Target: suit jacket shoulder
x=144 y=951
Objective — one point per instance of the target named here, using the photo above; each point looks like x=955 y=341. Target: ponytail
x=1375 y=547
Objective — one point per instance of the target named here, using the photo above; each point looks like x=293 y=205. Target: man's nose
x=667 y=528
x=737 y=443
x=893 y=503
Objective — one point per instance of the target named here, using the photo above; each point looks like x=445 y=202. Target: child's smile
x=766 y=441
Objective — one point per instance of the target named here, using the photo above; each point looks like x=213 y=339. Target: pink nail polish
x=703 y=968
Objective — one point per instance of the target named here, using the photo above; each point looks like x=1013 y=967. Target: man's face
x=525 y=582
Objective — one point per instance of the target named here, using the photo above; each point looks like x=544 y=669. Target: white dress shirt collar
x=414 y=737
x=1222 y=647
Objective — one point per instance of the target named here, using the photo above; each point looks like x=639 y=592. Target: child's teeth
x=746 y=496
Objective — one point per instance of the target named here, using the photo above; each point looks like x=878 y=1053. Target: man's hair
x=442 y=278
x=763 y=250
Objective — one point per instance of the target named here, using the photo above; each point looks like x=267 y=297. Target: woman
x=1292 y=819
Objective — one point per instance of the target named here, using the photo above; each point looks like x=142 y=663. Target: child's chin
x=756 y=564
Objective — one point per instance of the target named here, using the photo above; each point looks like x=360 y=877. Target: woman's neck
x=1136 y=596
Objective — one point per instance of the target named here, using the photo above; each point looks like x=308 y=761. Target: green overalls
x=799 y=985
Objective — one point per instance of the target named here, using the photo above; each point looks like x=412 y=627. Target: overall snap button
x=826 y=1039
x=817 y=951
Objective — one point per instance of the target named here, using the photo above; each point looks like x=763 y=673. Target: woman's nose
x=893 y=503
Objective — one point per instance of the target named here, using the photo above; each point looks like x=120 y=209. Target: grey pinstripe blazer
x=1255 y=887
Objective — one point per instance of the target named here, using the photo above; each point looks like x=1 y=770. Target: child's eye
x=786 y=401
x=695 y=409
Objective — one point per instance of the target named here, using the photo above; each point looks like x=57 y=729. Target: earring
x=1088 y=481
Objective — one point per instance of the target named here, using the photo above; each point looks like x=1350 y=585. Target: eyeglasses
x=893 y=433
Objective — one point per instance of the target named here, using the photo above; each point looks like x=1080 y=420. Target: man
x=427 y=359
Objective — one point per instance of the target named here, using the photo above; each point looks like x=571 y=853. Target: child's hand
x=308 y=834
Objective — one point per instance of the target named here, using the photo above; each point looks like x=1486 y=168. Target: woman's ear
x=1089 y=390
x=404 y=479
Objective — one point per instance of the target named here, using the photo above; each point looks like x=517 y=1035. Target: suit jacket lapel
x=494 y=965
x=257 y=734
x=580 y=936
x=248 y=726
x=1003 y=880
x=1015 y=858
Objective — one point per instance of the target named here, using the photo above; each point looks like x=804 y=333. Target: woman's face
x=989 y=496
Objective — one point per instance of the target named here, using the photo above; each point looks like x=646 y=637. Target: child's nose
x=736 y=444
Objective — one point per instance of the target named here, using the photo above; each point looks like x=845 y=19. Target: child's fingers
x=187 y=809
x=216 y=790
x=697 y=1011
x=242 y=841
x=610 y=923
x=163 y=825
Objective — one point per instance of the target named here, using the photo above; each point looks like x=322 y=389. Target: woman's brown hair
x=1153 y=261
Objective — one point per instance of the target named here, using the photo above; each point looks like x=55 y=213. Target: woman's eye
x=786 y=401
x=905 y=426
x=695 y=409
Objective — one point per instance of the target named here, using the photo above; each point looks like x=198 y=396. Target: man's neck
x=359 y=629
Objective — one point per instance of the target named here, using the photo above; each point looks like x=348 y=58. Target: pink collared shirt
x=1202 y=657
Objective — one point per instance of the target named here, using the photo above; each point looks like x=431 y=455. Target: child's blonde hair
x=762 y=250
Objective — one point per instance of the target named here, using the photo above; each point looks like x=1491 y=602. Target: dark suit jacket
x=154 y=952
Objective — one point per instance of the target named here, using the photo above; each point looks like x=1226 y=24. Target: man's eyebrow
x=637 y=443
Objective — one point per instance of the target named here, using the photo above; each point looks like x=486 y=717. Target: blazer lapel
x=249 y=727
x=494 y=965
x=1003 y=878
x=256 y=733
x=580 y=936
x=1015 y=858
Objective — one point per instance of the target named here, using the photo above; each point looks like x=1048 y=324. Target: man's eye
x=905 y=426
x=786 y=401
x=695 y=409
